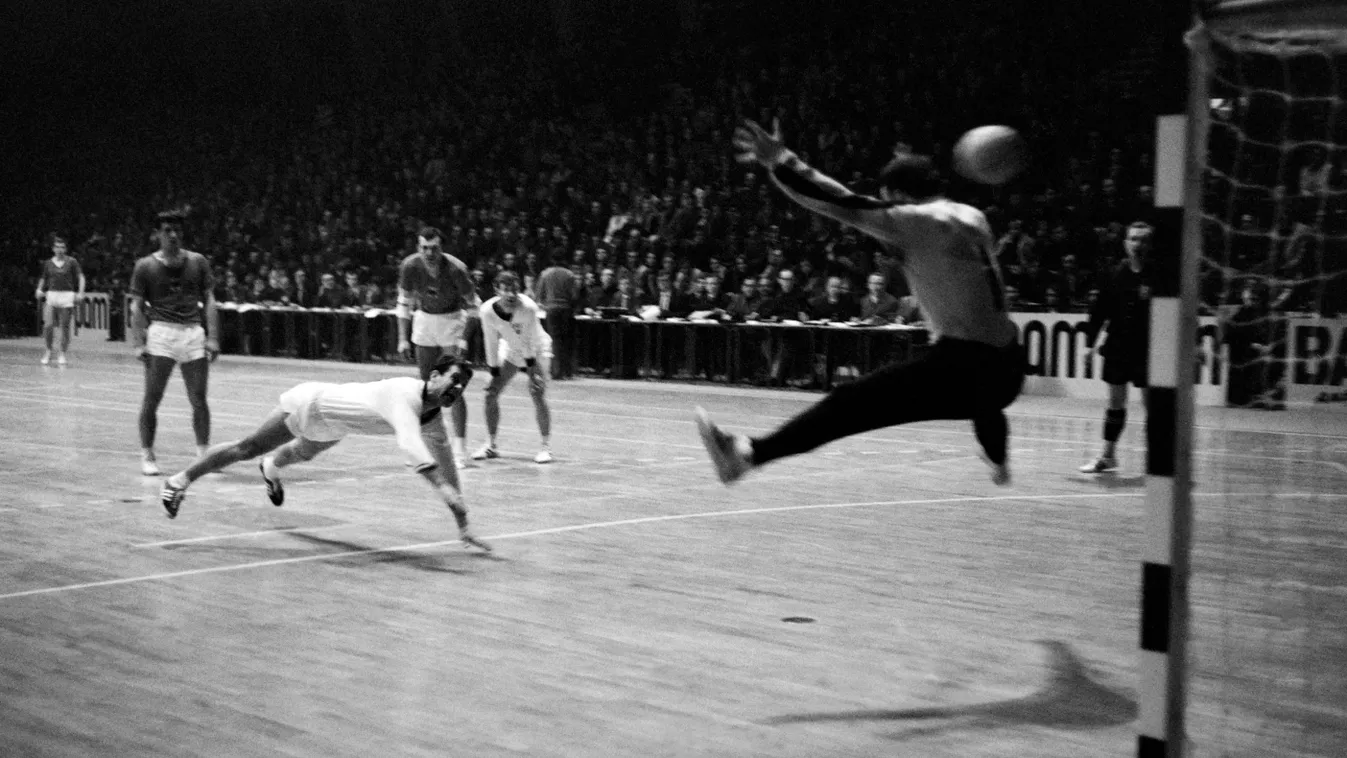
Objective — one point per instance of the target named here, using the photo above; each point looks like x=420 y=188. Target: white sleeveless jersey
x=516 y=339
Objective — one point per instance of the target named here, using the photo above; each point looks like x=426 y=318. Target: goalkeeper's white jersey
x=521 y=335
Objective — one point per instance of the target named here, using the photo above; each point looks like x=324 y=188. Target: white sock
x=201 y=450
x=147 y=454
x=547 y=443
x=178 y=480
x=269 y=468
x=491 y=441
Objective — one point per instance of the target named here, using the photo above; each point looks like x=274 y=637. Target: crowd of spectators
x=620 y=167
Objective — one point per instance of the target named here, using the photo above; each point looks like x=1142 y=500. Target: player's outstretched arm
x=813 y=189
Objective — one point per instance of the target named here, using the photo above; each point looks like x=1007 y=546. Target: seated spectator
x=833 y=304
x=329 y=294
x=877 y=305
x=746 y=302
x=711 y=300
x=672 y=304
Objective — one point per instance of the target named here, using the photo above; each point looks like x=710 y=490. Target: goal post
x=1282 y=157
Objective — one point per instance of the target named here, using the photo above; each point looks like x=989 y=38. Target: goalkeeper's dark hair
x=912 y=175
x=444 y=363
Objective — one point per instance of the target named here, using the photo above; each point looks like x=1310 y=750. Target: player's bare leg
x=538 y=391
x=48 y=331
x=196 y=378
x=63 y=317
x=491 y=410
x=158 y=369
x=1115 y=418
x=271 y=434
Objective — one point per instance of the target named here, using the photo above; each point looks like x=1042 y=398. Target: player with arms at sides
x=514 y=339
x=314 y=416
x=1123 y=313
x=62 y=284
x=173 y=323
x=975 y=366
x=436 y=296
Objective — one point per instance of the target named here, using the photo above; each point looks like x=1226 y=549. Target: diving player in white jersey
x=975 y=366
x=510 y=321
x=314 y=416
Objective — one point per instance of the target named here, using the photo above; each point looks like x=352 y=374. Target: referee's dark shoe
x=725 y=451
x=171 y=498
x=275 y=490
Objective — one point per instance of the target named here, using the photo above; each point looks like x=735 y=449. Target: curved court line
x=541 y=532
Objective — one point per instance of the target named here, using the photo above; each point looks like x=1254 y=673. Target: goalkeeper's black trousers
x=954 y=379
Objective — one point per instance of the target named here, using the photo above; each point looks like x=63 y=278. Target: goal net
x=1267 y=659
x=1274 y=209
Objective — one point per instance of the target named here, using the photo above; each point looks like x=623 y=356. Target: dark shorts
x=1127 y=367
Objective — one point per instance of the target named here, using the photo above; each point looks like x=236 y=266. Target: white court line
x=541 y=532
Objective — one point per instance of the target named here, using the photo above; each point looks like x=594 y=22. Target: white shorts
x=544 y=354
x=304 y=416
x=183 y=343
x=439 y=329
x=60 y=298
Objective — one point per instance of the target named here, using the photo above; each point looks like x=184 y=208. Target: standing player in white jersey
x=436 y=296
x=61 y=276
x=314 y=416
x=975 y=366
x=513 y=337
x=171 y=298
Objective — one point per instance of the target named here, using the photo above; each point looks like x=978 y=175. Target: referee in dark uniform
x=1122 y=312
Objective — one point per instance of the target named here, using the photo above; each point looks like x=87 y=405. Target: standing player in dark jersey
x=436 y=296
x=171 y=298
x=62 y=284
x=975 y=366
x=1123 y=312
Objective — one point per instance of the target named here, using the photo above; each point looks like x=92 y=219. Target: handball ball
x=991 y=154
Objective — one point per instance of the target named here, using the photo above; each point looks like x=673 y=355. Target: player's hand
x=405 y=349
x=537 y=379
x=140 y=353
x=212 y=349
x=755 y=144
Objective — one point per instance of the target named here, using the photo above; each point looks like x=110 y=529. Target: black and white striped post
x=1179 y=162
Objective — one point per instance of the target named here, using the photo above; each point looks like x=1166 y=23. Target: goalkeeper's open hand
x=756 y=145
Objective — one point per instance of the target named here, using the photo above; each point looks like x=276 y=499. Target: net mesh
x=1275 y=211
x=1268 y=655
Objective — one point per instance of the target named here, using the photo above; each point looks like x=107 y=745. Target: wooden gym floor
x=879 y=597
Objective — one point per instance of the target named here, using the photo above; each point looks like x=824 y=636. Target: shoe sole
x=275 y=490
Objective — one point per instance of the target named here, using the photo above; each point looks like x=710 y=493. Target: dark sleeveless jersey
x=173 y=294
x=448 y=289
